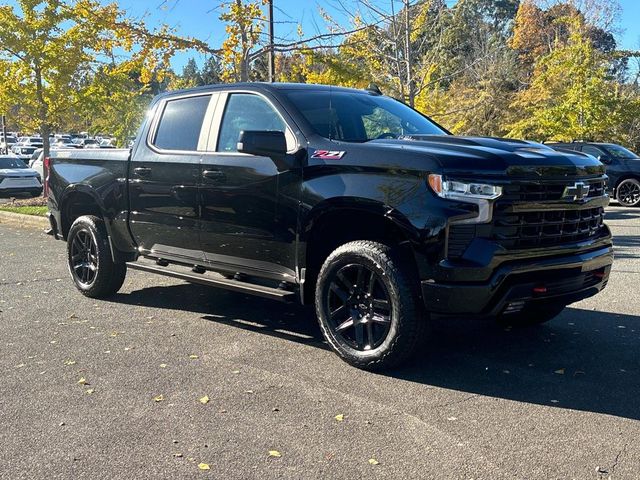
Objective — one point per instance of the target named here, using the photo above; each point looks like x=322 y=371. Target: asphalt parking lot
x=98 y=389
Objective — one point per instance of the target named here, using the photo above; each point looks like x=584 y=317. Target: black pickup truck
x=346 y=199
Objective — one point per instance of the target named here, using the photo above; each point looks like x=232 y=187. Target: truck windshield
x=359 y=117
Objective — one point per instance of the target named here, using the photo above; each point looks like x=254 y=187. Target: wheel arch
x=337 y=221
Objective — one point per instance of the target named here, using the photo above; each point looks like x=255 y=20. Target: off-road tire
x=408 y=320
x=108 y=275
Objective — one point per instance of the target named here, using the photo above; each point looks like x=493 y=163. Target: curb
x=23 y=221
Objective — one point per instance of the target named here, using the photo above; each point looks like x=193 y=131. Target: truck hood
x=496 y=157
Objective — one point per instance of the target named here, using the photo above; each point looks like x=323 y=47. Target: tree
x=52 y=50
x=211 y=71
x=191 y=74
x=244 y=26
x=571 y=96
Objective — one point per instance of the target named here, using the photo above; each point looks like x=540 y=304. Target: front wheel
x=92 y=268
x=368 y=307
x=628 y=192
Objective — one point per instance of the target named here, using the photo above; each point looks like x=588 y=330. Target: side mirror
x=272 y=144
x=604 y=159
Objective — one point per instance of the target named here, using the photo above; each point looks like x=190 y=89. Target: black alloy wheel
x=91 y=261
x=84 y=257
x=358 y=307
x=368 y=305
x=628 y=192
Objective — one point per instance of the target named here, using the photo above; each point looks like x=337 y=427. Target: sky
x=198 y=19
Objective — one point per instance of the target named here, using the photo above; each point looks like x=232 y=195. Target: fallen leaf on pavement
x=193 y=357
x=339 y=417
x=70 y=362
x=159 y=398
x=83 y=381
x=204 y=466
x=373 y=461
x=89 y=391
x=163 y=365
x=275 y=453
x=204 y=400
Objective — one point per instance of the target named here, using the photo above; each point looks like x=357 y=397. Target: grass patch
x=25 y=210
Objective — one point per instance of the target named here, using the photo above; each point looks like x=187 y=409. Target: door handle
x=214 y=174
x=142 y=171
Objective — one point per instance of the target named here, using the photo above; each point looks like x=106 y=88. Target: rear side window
x=180 y=123
x=596 y=152
x=245 y=111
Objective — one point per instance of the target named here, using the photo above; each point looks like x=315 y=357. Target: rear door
x=164 y=176
x=244 y=226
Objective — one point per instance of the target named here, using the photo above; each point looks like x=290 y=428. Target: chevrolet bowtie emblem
x=577 y=191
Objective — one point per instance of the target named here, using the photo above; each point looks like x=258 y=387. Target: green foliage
x=26 y=210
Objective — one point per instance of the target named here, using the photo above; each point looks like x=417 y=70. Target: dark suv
x=623 y=168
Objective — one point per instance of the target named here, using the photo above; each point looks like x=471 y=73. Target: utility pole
x=272 y=60
x=5 y=146
x=408 y=53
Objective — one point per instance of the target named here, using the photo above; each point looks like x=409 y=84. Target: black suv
x=623 y=168
x=345 y=199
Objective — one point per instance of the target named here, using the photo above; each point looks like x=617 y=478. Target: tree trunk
x=43 y=113
x=244 y=42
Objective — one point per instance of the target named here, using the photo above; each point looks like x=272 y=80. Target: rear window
x=180 y=123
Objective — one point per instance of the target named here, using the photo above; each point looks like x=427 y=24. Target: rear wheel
x=533 y=315
x=92 y=269
x=628 y=192
x=368 y=307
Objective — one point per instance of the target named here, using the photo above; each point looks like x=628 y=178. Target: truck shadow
x=583 y=360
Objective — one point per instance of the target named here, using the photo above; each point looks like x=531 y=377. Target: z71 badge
x=328 y=154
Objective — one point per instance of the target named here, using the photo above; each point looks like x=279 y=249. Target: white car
x=16 y=177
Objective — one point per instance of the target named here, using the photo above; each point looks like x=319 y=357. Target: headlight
x=479 y=194
x=462 y=191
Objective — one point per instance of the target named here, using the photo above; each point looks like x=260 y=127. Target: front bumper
x=565 y=279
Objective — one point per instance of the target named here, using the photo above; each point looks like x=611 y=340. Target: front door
x=240 y=231
x=164 y=177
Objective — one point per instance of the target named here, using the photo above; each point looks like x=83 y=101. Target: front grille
x=535 y=192
x=545 y=228
x=536 y=228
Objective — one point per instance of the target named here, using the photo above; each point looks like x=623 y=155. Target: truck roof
x=264 y=86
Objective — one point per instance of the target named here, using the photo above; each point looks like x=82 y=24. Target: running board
x=233 y=285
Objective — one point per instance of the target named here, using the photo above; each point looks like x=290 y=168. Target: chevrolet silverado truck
x=345 y=199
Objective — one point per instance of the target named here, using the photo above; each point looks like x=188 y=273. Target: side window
x=245 y=111
x=180 y=123
x=596 y=152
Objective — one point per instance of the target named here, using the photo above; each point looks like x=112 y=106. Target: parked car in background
x=623 y=168
x=25 y=147
x=16 y=177
x=86 y=142
x=7 y=143
x=64 y=142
